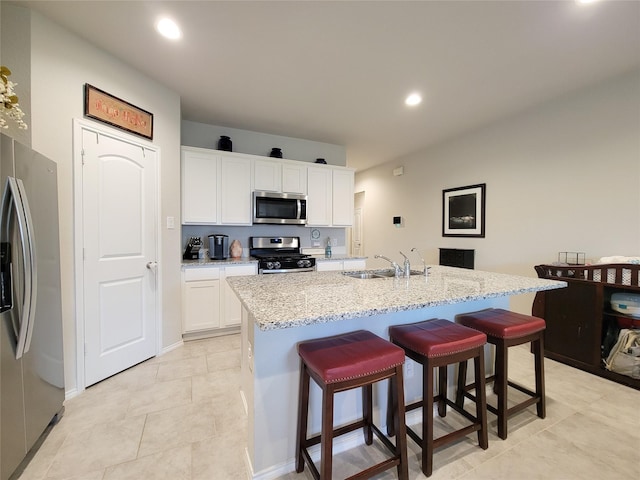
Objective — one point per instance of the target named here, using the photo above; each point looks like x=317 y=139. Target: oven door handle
x=288 y=270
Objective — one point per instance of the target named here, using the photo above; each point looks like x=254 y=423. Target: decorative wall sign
x=106 y=108
x=463 y=211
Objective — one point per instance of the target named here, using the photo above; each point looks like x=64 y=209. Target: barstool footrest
x=534 y=398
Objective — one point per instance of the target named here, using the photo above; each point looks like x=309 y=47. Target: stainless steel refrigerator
x=31 y=374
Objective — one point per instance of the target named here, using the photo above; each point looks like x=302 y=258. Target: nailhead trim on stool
x=439 y=343
x=506 y=329
x=343 y=362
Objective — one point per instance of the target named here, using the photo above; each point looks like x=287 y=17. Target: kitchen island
x=281 y=310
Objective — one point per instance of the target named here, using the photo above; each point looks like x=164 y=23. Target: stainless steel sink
x=368 y=274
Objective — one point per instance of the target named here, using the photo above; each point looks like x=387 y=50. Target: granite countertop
x=208 y=262
x=297 y=299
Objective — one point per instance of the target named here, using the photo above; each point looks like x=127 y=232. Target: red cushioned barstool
x=344 y=362
x=439 y=343
x=506 y=329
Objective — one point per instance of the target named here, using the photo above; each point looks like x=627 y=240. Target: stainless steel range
x=280 y=255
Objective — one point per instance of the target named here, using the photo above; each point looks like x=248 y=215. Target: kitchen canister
x=225 y=144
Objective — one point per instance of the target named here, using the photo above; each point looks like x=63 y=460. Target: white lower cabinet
x=340 y=265
x=232 y=306
x=208 y=302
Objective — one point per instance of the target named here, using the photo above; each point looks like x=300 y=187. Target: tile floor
x=179 y=416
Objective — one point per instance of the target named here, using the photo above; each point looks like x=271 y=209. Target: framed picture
x=114 y=111
x=463 y=211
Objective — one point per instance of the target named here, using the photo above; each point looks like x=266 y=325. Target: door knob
x=152 y=265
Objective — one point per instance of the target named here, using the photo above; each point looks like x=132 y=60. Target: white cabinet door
x=232 y=306
x=294 y=178
x=201 y=305
x=267 y=175
x=319 y=196
x=235 y=190
x=200 y=175
x=342 y=208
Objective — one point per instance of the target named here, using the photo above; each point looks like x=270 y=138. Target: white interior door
x=119 y=205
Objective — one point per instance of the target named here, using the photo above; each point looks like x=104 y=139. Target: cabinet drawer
x=240 y=270
x=201 y=273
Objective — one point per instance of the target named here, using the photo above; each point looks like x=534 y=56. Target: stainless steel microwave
x=279 y=208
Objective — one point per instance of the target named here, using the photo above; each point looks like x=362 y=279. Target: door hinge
x=82 y=155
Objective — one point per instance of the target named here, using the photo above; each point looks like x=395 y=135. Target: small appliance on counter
x=193 y=247
x=219 y=246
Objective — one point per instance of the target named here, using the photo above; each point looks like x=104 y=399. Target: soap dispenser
x=327 y=250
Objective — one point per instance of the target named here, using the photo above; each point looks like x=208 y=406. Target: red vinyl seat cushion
x=436 y=338
x=350 y=355
x=496 y=322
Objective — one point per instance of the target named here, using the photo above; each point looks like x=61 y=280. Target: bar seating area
x=361 y=359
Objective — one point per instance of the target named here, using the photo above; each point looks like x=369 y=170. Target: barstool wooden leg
x=303 y=413
x=538 y=346
x=392 y=407
x=427 y=418
x=462 y=383
x=500 y=387
x=326 y=439
x=442 y=391
x=399 y=422
x=481 y=399
x=367 y=407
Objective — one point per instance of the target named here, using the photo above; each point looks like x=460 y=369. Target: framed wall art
x=114 y=111
x=463 y=211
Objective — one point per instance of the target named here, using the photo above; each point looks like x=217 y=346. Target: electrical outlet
x=408 y=366
x=334 y=242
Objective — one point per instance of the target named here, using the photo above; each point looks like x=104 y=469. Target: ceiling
x=338 y=71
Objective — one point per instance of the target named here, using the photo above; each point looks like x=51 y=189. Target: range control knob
x=303 y=263
x=269 y=265
x=276 y=265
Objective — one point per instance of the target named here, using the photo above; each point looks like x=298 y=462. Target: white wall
x=564 y=176
x=61 y=64
x=202 y=135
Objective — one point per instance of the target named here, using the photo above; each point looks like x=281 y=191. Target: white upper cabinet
x=279 y=176
x=330 y=196
x=200 y=175
x=294 y=178
x=343 y=181
x=216 y=188
x=319 y=192
x=267 y=175
x=235 y=190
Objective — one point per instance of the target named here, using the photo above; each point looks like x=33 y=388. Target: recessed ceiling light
x=413 y=99
x=169 y=29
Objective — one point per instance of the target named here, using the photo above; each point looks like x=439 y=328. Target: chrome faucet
x=395 y=266
x=425 y=269
x=407 y=266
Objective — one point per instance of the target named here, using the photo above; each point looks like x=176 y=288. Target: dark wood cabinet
x=580 y=322
x=457 y=257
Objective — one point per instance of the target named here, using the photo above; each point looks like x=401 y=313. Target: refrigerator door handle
x=15 y=196
x=31 y=266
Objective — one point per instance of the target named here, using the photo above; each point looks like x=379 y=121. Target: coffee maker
x=218 y=246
